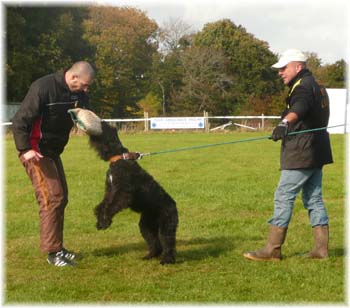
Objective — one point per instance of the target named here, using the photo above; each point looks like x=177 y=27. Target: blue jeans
x=291 y=182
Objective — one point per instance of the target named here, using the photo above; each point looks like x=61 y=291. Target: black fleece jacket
x=310 y=102
x=42 y=123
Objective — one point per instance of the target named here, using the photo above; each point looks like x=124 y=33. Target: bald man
x=41 y=130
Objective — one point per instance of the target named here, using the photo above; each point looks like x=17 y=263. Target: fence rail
x=146 y=120
x=206 y=118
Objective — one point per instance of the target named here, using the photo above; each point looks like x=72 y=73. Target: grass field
x=224 y=196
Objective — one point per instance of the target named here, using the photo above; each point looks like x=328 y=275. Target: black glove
x=280 y=131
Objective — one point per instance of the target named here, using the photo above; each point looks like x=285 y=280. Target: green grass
x=224 y=197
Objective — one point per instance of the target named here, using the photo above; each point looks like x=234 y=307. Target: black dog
x=129 y=186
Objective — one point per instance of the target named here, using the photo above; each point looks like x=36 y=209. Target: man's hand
x=280 y=131
x=32 y=155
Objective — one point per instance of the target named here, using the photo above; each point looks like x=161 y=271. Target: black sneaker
x=68 y=254
x=58 y=259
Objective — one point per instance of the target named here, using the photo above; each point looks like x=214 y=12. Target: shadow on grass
x=187 y=250
x=119 y=250
x=335 y=252
x=202 y=248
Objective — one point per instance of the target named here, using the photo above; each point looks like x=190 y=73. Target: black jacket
x=42 y=122
x=310 y=102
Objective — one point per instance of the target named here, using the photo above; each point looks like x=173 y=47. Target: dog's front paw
x=152 y=254
x=103 y=224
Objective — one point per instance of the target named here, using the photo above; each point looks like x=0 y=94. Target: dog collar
x=115 y=158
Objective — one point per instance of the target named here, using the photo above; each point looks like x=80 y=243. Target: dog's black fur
x=129 y=186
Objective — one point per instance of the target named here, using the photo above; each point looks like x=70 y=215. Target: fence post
x=262 y=122
x=206 y=121
x=145 y=115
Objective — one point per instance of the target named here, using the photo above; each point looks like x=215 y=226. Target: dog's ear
x=108 y=143
x=108 y=130
x=105 y=125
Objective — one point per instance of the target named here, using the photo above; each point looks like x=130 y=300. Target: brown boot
x=321 y=235
x=272 y=249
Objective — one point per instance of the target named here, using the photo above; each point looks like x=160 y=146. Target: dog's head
x=108 y=143
x=103 y=219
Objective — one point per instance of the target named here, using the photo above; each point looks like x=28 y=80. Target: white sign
x=337 y=105
x=177 y=123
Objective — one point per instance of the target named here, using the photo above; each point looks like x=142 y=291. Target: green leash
x=232 y=142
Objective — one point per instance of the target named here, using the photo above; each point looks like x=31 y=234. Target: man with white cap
x=302 y=157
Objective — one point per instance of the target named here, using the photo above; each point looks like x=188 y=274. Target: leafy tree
x=250 y=60
x=18 y=62
x=166 y=78
x=206 y=84
x=314 y=64
x=334 y=75
x=330 y=75
x=170 y=35
x=269 y=105
x=151 y=104
x=222 y=68
x=122 y=38
x=41 y=40
x=166 y=66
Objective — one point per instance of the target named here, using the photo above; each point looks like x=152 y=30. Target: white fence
x=196 y=122
x=339 y=114
x=207 y=123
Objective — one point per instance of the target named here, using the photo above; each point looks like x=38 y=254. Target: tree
x=18 y=62
x=329 y=75
x=335 y=75
x=206 y=84
x=250 y=60
x=314 y=63
x=41 y=40
x=122 y=38
x=151 y=104
x=170 y=35
x=166 y=65
x=166 y=78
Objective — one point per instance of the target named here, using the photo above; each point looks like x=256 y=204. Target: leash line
x=233 y=141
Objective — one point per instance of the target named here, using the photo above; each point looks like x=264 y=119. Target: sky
x=317 y=26
x=308 y=25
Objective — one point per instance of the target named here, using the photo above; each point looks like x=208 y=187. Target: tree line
x=141 y=66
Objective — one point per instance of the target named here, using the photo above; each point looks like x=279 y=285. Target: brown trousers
x=51 y=192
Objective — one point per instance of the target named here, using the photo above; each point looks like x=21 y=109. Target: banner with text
x=177 y=123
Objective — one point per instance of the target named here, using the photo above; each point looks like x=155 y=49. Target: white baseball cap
x=290 y=55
